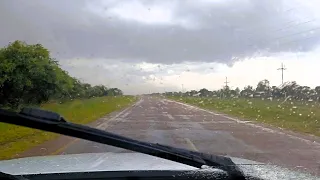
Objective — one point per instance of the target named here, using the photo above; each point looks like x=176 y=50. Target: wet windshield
x=224 y=77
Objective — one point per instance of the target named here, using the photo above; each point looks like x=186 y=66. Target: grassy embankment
x=303 y=117
x=16 y=139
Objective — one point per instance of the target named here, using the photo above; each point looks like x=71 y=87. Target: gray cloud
x=216 y=31
x=130 y=77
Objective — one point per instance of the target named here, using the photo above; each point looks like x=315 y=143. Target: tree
x=263 y=85
x=290 y=89
x=237 y=91
x=226 y=91
x=114 y=92
x=204 y=92
x=317 y=89
x=193 y=93
x=263 y=89
x=28 y=75
x=247 y=91
x=275 y=92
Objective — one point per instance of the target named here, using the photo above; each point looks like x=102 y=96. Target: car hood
x=92 y=162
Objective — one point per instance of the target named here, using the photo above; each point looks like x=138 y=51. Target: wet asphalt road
x=171 y=123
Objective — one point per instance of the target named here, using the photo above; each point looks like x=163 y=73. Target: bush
x=28 y=75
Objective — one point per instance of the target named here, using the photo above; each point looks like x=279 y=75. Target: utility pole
x=282 y=69
x=182 y=88
x=226 y=88
x=226 y=82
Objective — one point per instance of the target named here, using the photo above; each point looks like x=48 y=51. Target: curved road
x=171 y=123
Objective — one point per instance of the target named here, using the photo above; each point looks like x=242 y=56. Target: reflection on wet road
x=171 y=123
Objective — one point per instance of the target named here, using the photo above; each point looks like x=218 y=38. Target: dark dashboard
x=132 y=175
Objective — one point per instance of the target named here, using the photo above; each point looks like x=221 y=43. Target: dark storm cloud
x=210 y=31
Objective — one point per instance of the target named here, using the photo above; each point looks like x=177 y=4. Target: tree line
x=28 y=75
x=263 y=90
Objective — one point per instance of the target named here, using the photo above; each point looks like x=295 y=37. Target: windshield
x=236 y=78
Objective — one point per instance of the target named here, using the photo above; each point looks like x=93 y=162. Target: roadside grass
x=15 y=139
x=303 y=117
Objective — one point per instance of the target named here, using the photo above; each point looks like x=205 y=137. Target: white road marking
x=138 y=103
x=180 y=115
x=185 y=117
x=191 y=145
x=249 y=124
x=170 y=117
x=126 y=114
x=217 y=122
x=104 y=125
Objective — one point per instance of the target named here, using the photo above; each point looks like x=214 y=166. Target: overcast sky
x=154 y=46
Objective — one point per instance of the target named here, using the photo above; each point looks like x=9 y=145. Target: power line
x=293 y=25
x=289 y=42
x=288 y=26
x=282 y=69
x=285 y=36
x=271 y=40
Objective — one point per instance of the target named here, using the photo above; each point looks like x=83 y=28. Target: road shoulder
x=308 y=138
x=57 y=145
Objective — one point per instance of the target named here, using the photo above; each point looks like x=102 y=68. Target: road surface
x=171 y=123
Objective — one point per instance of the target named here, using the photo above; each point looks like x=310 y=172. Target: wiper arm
x=53 y=122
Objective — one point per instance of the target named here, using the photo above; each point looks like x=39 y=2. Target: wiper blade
x=4 y=176
x=53 y=122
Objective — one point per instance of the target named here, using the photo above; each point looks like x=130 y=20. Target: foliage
x=28 y=75
x=297 y=116
x=288 y=90
x=17 y=139
x=289 y=105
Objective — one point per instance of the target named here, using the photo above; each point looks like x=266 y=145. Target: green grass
x=303 y=117
x=16 y=139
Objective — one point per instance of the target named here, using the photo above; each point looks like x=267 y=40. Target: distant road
x=176 y=124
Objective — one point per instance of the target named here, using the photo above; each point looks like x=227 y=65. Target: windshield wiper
x=53 y=122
